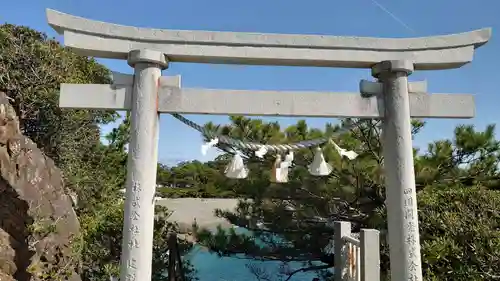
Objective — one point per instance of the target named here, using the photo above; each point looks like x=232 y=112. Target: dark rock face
x=37 y=222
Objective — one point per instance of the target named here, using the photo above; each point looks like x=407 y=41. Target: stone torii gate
x=146 y=94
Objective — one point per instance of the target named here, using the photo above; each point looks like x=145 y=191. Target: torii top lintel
x=106 y=40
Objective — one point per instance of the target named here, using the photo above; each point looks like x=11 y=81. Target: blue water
x=211 y=267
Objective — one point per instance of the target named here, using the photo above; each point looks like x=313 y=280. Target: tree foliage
x=194 y=179
x=103 y=234
x=460 y=239
x=457 y=179
x=464 y=168
x=32 y=67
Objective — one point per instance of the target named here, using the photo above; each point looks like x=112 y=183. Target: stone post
x=370 y=255
x=137 y=246
x=401 y=198
x=341 y=229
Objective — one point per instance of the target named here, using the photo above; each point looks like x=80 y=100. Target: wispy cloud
x=396 y=18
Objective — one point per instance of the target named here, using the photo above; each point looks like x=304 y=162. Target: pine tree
x=32 y=67
x=292 y=219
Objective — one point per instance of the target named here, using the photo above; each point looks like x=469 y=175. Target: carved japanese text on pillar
x=411 y=229
x=130 y=276
x=132 y=267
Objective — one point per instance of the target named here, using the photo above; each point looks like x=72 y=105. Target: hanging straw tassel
x=284 y=167
x=351 y=155
x=206 y=146
x=236 y=168
x=261 y=152
x=280 y=168
x=288 y=159
x=276 y=171
x=319 y=167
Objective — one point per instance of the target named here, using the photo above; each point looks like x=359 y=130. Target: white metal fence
x=353 y=258
x=356 y=259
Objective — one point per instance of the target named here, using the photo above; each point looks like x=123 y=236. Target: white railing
x=356 y=259
x=353 y=258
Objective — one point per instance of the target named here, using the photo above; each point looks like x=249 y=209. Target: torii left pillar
x=137 y=245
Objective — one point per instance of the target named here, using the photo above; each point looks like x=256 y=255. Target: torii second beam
x=174 y=99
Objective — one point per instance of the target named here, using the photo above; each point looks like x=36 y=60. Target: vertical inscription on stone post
x=132 y=265
x=134 y=243
x=411 y=232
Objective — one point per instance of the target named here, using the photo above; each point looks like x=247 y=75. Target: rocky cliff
x=38 y=226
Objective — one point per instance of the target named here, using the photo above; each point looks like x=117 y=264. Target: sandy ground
x=187 y=210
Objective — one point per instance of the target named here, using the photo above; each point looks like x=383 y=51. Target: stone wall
x=37 y=220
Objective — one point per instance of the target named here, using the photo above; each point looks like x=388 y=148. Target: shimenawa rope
x=277 y=148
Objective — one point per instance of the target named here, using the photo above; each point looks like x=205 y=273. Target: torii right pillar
x=402 y=215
